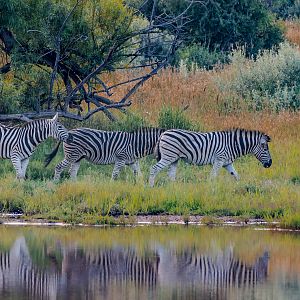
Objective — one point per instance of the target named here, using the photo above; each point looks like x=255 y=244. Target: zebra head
x=261 y=150
x=59 y=132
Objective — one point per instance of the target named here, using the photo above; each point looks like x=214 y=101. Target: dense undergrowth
x=193 y=100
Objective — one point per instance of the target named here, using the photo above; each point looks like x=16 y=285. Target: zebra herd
x=219 y=148
x=93 y=272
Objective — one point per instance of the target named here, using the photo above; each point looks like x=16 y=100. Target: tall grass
x=293 y=31
x=262 y=193
x=192 y=100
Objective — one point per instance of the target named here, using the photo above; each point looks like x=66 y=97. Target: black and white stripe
x=219 y=148
x=106 y=147
x=18 y=143
x=223 y=270
x=123 y=265
x=86 y=272
x=18 y=273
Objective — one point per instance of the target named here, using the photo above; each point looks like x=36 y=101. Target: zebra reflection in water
x=18 y=274
x=223 y=270
x=85 y=273
x=96 y=273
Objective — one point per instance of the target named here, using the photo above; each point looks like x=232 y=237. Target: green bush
x=272 y=78
x=10 y=94
x=169 y=118
x=284 y=8
x=129 y=122
x=223 y=24
x=198 y=56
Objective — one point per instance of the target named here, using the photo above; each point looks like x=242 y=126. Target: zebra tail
x=50 y=156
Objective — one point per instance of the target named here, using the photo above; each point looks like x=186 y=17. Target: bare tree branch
x=57 y=52
x=148 y=48
x=95 y=72
x=28 y=116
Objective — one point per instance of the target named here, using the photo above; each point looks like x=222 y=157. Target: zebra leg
x=232 y=171
x=172 y=171
x=74 y=170
x=16 y=161
x=59 y=168
x=24 y=164
x=136 y=169
x=119 y=164
x=217 y=165
x=163 y=163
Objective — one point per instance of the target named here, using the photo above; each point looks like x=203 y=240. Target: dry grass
x=272 y=193
x=207 y=104
x=293 y=31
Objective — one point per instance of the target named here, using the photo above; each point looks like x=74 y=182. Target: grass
x=273 y=194
x=261 y=193
x=293 y=31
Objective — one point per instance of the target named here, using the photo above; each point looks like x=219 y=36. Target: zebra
x=219 y=148
x=223 y=270
x=21 y=278
x=123 y=264
x=18 y=143
x=106 y=147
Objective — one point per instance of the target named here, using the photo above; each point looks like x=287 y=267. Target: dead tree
x=82 y=91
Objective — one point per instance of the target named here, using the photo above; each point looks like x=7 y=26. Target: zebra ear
x=268 y=139
x=55 y=118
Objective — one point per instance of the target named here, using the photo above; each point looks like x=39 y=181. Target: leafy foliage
x=284 y=8
x=86 y=32
x=222 y=24
x=273 y=77
x=58 y=56
x=197 y=56
x=169 y=118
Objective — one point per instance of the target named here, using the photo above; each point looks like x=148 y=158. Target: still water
x=153 y=262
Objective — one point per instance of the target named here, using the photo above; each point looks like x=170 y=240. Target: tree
x=224 y=24
x=55 y=52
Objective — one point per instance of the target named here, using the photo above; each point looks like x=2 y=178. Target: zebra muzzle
x=268 y=164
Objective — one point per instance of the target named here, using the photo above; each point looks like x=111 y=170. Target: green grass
x=90 y=199
x=272 y=193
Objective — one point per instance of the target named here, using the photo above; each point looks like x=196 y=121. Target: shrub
x=198 y=56
x=284 y=8
x=272 y=78
x=9 y=96
x=169 y=118
x=129 y=122
x=223 y=24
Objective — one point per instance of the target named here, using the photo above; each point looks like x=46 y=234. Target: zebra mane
x=23 y=125
x=236 y=129
x=146 y=129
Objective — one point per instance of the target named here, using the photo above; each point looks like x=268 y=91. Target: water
x=154 y=262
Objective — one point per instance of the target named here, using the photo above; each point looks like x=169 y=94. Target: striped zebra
x=106 y=147
x=19 y=142
x=123 y=264
x=20 y=278
x=219 y=148
x=223 y=270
